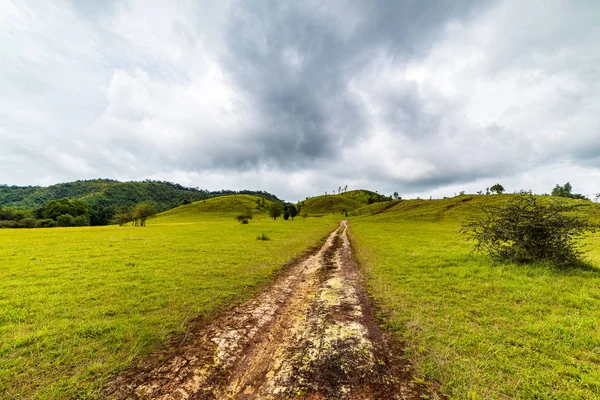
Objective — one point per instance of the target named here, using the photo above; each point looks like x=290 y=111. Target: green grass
x=79 y=304
x=482 y=330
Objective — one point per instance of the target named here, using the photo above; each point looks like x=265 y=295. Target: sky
x=423 y=98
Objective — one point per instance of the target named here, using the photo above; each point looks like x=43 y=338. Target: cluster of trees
x=288 y=211
x=496 y=189
x=376 y=198
x=74 y=212
x=566 y=190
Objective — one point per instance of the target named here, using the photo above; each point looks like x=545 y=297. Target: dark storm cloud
x=295 y=59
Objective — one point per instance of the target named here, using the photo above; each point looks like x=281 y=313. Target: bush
x=525 y=231
x=81 y=220
x=64 y=220
x=243 y=218
x=26 y=223
x=263 y=237
x=7 y=224
x=46 y=223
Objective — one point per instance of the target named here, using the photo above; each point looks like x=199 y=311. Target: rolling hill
x=340 y=203
x=457 y=208
x=224 y=206
x=107 y=192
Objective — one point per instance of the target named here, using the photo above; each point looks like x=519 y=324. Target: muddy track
x=309 y=335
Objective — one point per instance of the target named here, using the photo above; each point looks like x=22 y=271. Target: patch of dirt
x=310 y=335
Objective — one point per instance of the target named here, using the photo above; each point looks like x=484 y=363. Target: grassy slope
x=336 y=203
x=481 y=330
x=225 y=206
x=78 y=304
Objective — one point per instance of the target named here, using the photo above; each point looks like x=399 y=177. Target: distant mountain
x=107 y=192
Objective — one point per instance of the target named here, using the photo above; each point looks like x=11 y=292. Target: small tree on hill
x=275 y=210
x=497 y=188
x=525 y=230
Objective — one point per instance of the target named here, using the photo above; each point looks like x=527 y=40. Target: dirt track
x=311 y=334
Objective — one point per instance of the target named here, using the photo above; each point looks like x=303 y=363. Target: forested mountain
x=107 y=192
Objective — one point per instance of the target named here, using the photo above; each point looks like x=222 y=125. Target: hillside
x=340 y=203
x=225 y=206
x=456 y=209
x=106 y=192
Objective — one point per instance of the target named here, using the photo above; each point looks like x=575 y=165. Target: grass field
x=482 y=330
x=78 y=304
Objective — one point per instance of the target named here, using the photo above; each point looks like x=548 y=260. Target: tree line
x=106 y=192
x=74 y=212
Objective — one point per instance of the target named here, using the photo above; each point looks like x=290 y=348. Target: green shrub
x=525 y=231
x=46 y=223
x=26 y=223
x=81 y=220
x=263 y=237
x=7 y=224
x=64 y=220
x=243 y=218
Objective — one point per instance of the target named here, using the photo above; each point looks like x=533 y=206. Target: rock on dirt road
x=309 y=335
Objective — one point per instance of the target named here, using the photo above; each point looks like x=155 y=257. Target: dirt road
x=309 y=335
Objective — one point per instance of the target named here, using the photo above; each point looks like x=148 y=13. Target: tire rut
x=309 y=335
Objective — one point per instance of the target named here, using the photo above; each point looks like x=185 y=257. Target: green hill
x=225 y=206
x=457 y=208
x=107 y=192
x=101 y=192
x=339 y=203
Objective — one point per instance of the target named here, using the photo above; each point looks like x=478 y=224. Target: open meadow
x=482 y=330
x=79 y=304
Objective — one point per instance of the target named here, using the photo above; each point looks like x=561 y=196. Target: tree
x=396 y=195
x=566 y=191
x=293 y=211
x=101 y=215
x=142 y=212
x=526 y=230
x=275 y=210
x=497 y=188
x=55 y=208
x=124 y=215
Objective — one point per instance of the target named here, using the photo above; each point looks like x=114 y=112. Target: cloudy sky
x=300 y=97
